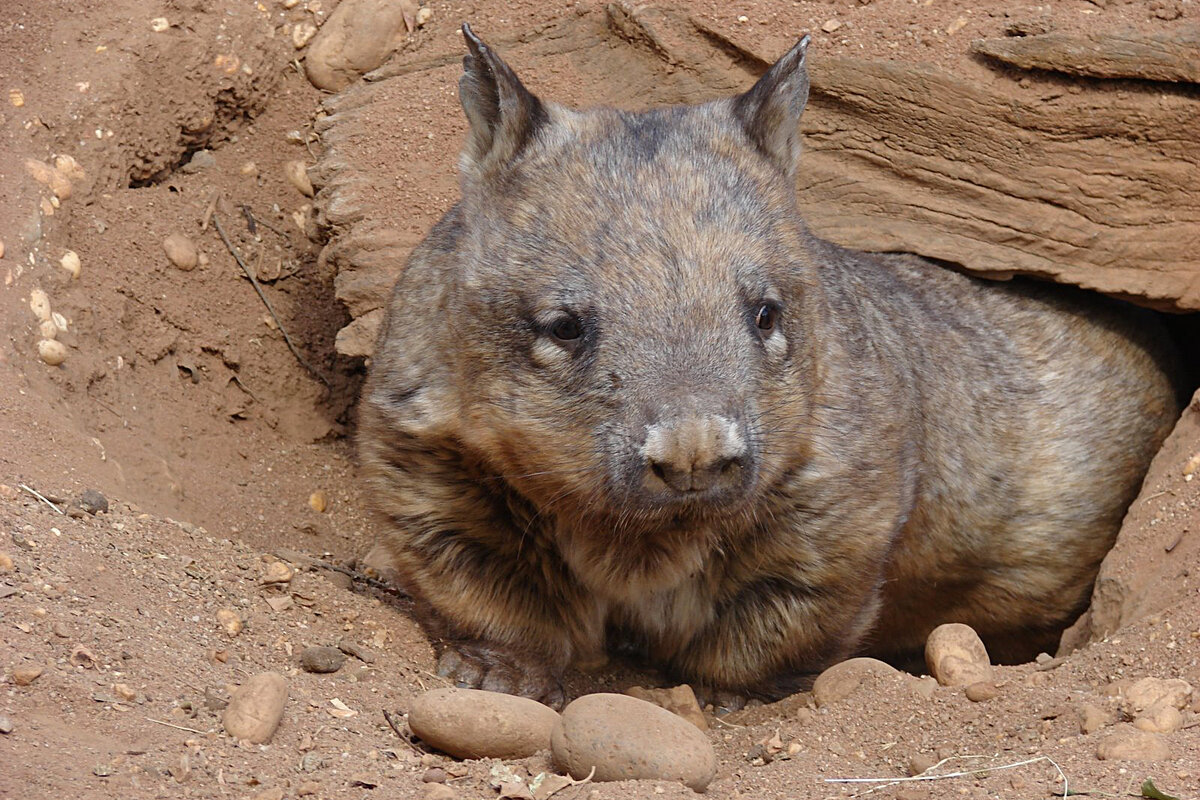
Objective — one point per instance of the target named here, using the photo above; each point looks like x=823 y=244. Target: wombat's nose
x=695 y=454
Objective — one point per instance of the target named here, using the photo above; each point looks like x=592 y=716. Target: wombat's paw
x=479 y=666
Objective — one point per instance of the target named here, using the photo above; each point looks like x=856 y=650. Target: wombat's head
x=626 y=332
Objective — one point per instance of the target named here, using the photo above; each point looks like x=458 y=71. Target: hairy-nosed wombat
x=622 y=391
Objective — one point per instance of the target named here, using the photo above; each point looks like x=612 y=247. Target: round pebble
x=322 y=659
x=956 y=656
x=71 y=263
x=6 y=725
x=52 y=351
x=471 y=723
x=846 y=678
x=23 y=676
x=625 y=738
x=181 y=251
x=256 y=708
x=93 y=502
x=1131 y=744
x=982 y=691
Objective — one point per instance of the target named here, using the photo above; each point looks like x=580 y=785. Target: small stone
x=93 y=502
x=277 y=572
x=181 y=251
x=256 y=708
x=124 y=691
x=439 y=791
x=434 y=775
x=71 y=263
x=1092 y=718
x=83 y=657
x=52 y=351
x=297 y=175
x=1159 y=718
x=6 y=725
x=230 y=621
x=831 y=25
x=956 y=656
x=322 y=659
x=6 y=562
x=471 y=723
x=1131 y=744
x=302 y=34
x=624 y=738
x=308 y=789
x=1149 y=692
x=921 y=763
x=201 y=159
x=981 y=691
x=848 y=677
x=39 y=304
x=24 y=676
x=318 y=501
x=362 y=653
x=424 y=14
x=679 y=700
x=357 y=37
x=159 y=24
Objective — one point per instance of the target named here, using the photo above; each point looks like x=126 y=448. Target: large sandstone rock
x=1095 y=183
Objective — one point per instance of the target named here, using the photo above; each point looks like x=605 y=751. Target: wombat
x=624 y=397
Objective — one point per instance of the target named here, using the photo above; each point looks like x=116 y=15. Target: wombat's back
x=1039 y=408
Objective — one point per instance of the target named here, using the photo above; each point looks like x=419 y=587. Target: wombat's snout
x=694 y=454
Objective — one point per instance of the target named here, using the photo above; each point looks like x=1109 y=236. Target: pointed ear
x=504 y=115
x=770 y=111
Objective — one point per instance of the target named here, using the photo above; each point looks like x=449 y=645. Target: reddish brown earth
x=180 y=401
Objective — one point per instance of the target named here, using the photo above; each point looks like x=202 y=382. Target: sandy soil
x=221 y=454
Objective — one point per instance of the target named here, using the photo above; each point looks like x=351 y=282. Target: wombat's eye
x=767 y=316
x=566 y=329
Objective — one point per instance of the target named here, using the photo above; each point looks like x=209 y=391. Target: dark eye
x=566 y=329
x=767 y=317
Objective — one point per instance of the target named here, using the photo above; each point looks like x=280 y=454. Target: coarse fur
x=623 y=391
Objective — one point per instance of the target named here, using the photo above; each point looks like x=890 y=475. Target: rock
x=277 y=572
x=24 y=676
x=297 y=175
x=201 y=159
x=52 y=351
x=124 y=692
x=358 y=37
x=6 y=725
x=921 y=763
x=181 y=251
x=956 y=656
x=361 y=652
x=439 y=791
x=322 y=659
x=1149 y=692
x=1131 y=744
x=1159 y=718
x=6 y=562
x=256 y=708
x=679 y=700
x=230 y=621
x=93 y=502
x=1172 y=55
x=981 y=691
x=1092 y=718
x=625 y=738
x=471 y=723
x=71 y=263
x=848 y=677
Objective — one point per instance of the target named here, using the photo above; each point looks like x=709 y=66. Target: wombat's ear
x=770 y=111
x=503 y=114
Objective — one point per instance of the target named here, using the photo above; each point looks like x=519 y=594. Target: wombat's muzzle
x=695 y=457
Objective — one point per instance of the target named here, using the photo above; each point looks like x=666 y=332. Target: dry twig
x=43 y=499
x=262 y=296
x=886 y=782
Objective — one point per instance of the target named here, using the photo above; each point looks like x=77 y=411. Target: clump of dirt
x=223 y=457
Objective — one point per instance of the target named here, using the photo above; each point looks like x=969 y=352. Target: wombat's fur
x=623 y=392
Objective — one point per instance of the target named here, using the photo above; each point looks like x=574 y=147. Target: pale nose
x=695 y=454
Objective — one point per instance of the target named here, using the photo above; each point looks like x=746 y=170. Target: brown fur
x=905 y=446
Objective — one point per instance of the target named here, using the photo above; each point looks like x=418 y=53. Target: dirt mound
x=226 y=462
